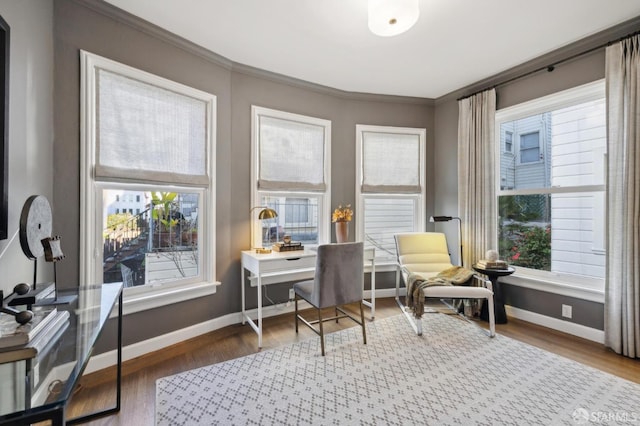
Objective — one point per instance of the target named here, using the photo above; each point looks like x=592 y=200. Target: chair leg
x=492 y=319
x=364 y=332
x=321 y=331
x=336 y=309
x=295 y=302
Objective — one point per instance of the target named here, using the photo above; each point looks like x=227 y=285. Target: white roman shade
x=148 y=133
x=391 y=163
x=291 y=155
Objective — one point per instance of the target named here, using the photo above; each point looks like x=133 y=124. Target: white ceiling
x=455 y=42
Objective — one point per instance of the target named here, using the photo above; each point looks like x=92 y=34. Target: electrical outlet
x=566 y=311
x=292 y=294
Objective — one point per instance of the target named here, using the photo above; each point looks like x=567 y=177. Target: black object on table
x=498 y=303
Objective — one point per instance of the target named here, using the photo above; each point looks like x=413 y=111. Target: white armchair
x=426 y=254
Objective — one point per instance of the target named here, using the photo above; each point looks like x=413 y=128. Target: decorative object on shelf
x=35 y=225
x=447 y=219
x=265 y=214
x=21 y=317
x=36 y=241
x=341 y=217
x=16 y=335
x=491 y=255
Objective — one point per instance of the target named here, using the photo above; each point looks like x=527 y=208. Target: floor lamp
x=447 y=219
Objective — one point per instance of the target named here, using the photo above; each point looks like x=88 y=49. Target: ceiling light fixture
x=392 y=17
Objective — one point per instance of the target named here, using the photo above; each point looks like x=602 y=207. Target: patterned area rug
x=452 y=375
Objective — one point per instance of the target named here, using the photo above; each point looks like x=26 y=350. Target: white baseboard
x=157 y=343
x=108 y=359
x=557 y=324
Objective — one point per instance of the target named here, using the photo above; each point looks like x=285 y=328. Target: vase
x=342 y=232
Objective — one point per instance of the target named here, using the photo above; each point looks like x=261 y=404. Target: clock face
x=35 y=225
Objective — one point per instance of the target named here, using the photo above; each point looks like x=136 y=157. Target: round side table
x=498 y=303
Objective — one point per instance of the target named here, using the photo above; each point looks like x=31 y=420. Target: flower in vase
x=342 y=214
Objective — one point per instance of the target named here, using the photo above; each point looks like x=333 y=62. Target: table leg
x=498 y=303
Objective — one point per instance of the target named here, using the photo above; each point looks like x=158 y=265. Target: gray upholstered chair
x=338 y=281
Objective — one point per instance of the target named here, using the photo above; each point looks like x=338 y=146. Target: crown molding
x=588 y=45
x=126 y=18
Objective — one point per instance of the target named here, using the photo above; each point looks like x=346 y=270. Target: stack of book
x=19 y=342
x=290 y=246
x=492 y=264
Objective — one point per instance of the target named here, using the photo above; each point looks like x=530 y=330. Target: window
x=508 y=141
x=151 y=140
x=390 y=190
x=530 y=147
x=551 y=203
x=290 y=170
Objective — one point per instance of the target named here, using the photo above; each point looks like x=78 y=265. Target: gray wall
x=95 y=27
x=30 y=128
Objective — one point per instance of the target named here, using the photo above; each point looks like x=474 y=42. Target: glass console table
x=42 y=386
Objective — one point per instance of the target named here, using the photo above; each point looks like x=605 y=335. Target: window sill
x=556 y=286
x=162 y=295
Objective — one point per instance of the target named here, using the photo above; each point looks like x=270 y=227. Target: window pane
x=553 y=232
x=383 y=218
x=158 y=244
x=530 y=148
x=565 y=147
x=297 y=217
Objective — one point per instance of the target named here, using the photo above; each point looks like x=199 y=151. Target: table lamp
x=265 y=213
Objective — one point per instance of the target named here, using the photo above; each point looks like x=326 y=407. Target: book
x=492 y=264
x=287 y=247
x=45 y=339
x=14 y=334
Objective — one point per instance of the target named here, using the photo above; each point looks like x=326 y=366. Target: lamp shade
x=441 y=218
x=391 y=17
x=267 y=213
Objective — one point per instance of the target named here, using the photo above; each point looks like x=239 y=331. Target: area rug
x=452 y=375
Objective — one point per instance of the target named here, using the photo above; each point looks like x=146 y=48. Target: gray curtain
x=622 y=288
x=476 y=175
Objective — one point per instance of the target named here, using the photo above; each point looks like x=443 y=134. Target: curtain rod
x=552 y=66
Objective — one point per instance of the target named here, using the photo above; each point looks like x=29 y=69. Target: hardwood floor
x=139 y=375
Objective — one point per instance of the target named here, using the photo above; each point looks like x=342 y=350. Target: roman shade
x=148 y=133
x=391 y=162
x=291 y=155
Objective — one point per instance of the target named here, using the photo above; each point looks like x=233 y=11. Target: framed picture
x=4 y=127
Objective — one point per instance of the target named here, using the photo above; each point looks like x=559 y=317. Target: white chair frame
x=444 y=292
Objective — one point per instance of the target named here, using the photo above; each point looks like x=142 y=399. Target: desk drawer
x=284 y=265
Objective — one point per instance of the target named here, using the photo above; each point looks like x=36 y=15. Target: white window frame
x=565 y=284
x=149 y=296
x=324 y=197
x=419 y=199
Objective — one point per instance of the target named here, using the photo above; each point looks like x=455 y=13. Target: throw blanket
x=416 y=284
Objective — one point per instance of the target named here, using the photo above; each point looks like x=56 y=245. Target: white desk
x=278 y=267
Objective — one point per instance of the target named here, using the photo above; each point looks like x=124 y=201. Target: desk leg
x=242 y=291
x=498 y=304
x=373 y=288
x=259 y=311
